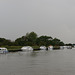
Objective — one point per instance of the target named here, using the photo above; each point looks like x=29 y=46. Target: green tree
x=57 y=42
x=28 y=39
x=4 y=41
x=43 y=40
x=32 y=38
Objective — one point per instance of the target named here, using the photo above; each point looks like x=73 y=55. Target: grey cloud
x=45 y=17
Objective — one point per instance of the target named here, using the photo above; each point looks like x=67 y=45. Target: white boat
x=3 y=50
x=65 y=47
x=27 y=48
x=61 y=47
x=50 y=48
x=69 y=47
x=43 y=47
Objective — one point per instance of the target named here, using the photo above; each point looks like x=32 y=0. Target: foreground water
x=56 y=62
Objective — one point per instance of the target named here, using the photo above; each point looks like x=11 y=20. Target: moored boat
x=42 y=47
x=27 y=48
x=3 y=50
x=61 y=47
x=50 y=47
x=69 y=47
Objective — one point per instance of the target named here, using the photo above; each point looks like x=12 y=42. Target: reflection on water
x=56 y=62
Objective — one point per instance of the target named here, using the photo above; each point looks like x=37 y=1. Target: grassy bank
x=17 y=48
x=13 y=47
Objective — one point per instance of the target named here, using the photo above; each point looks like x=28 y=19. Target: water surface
x=56 y=62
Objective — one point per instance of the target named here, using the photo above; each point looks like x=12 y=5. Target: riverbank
x=18 y=48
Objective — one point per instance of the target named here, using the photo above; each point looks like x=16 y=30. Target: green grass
x=35 y=47
x=13 y=47
x=18 y=47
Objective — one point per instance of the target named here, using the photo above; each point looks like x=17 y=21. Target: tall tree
x=31 y=38
x=43 y=40
x=28 y=39
x=56 y=41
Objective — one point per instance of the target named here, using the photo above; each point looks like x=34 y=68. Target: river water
x=56 y=62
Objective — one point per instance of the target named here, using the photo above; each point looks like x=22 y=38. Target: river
x=56 y=62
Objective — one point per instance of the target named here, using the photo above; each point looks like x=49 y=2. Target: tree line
x=32 y=39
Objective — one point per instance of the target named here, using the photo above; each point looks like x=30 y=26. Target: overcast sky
x=54 y=18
